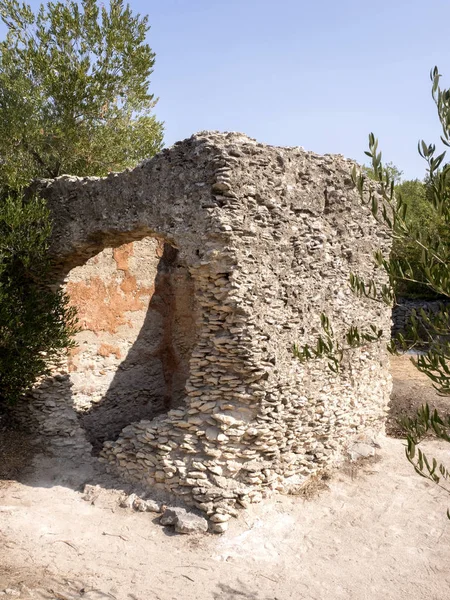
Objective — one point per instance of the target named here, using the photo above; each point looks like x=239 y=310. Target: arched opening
x=136 y=309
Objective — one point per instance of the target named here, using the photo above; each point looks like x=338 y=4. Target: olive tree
x=74 y=98
x=74 y=90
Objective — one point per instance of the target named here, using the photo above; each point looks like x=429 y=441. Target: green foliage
x=329 y=346
x=418 y=428
x=36 y=323
x=74 y=98
x=394 y=172
x=74 y=90
x=421 y=215
x=418 y=220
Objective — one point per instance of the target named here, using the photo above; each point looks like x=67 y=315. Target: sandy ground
x=378 y=531
x=411 y=390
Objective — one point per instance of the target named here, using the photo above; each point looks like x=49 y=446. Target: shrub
x=36 y=322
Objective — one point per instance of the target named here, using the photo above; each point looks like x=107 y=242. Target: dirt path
x=380 y=534
x=411 y=390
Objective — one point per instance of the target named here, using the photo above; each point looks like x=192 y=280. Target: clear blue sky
x=317 y=74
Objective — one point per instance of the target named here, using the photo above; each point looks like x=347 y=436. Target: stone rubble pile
x=405 y=308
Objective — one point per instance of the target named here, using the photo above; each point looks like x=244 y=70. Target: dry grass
x=312 y=487
x=363 y=466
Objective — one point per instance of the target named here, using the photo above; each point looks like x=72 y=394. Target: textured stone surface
x=404 y=309
x=361 y=450
x=125 y=367
x=190 y=523
x=259 y=241
x=146 y=505
x=171 y=515
x=219 y=527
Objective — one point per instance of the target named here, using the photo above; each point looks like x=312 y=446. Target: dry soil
x=375 y=531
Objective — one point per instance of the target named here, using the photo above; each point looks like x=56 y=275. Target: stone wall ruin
x=193 y=275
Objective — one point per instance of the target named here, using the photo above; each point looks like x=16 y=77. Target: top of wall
x=207 y=187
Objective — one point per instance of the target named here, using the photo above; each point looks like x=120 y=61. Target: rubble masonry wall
x=263 y=240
